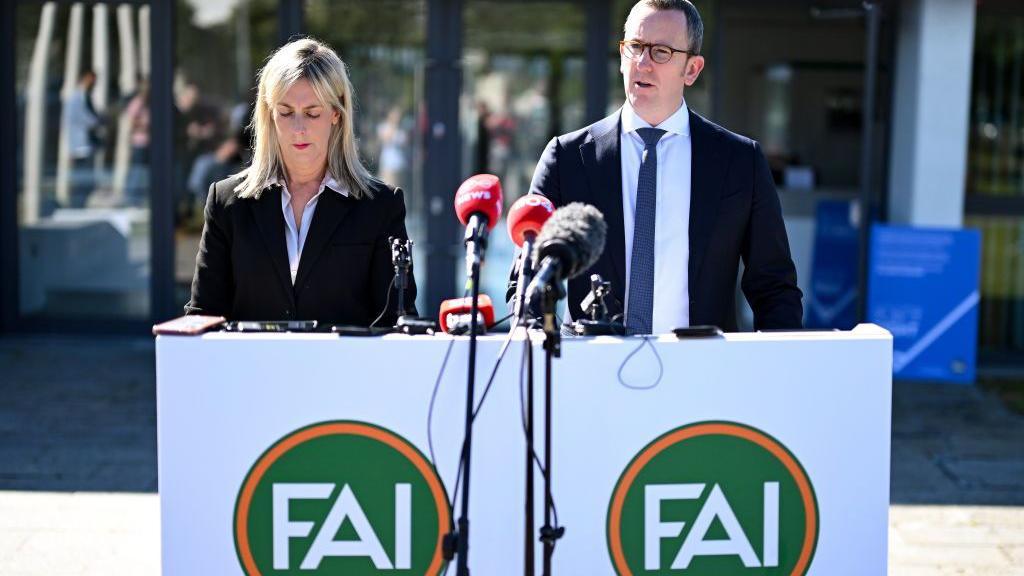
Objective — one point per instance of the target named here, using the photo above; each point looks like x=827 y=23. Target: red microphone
x=527 y=216
x=480 y=195
x=525 y=219
x=478 y=206
x=455 y=314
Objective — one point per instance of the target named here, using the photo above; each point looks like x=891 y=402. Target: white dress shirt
x=295 y=235
x=672 y=217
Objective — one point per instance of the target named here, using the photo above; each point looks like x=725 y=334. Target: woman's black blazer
x=345 y=272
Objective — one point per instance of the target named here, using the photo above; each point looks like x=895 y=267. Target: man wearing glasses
x=685 y=200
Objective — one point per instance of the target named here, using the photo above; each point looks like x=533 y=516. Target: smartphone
x=188 y=325
x=697 y=332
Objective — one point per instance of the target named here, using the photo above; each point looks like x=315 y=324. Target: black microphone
x=570 y=242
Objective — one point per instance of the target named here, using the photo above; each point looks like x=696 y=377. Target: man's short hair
x=694 y=25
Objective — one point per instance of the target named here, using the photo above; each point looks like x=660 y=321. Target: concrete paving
x=78 y=476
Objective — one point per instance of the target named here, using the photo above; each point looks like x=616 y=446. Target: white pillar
x=144 y=41
x=928 y=159
x=72 y=69
x=127 y=83
x=101 y=91
x=35 y=101
x=100 y=57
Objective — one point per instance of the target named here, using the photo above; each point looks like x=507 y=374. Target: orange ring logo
x=335 y=438
x=733 y=447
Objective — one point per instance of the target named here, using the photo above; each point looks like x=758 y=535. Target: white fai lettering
x=367 y=544
x=654 y=529
x=403 y=526
x=283 y=528
x=770 y=553
x=736 y=544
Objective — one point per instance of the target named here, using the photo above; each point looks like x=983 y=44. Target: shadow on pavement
x=955 y=445
x=77 y=414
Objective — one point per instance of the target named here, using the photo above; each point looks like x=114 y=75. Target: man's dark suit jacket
x=734 y=214
x=345 y=269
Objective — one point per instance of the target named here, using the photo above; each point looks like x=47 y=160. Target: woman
x=302 y=233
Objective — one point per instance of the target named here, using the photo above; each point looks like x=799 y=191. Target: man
x=81 y=121
x=684 y=199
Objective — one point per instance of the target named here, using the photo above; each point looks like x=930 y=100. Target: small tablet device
x=348 y=330
x=272 y=326
x=188 y=325
x=697 y=332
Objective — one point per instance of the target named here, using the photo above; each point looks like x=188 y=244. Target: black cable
x=430 y=420
x=494 y=371
x=502 y=320
x=476 y=410
x=430 y=409
x=522 y=412
x=387 y=302
x=661 y=367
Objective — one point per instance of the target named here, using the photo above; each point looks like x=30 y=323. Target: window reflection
x=83 y=167
x=523 y=83
x=383 y=44
x=219 y=47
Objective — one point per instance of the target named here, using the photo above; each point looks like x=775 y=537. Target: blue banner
x=923 y=287
x=832 y=302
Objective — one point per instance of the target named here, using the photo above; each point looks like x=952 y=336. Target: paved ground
x=78 y=468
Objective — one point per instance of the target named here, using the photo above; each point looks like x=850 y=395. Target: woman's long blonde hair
x=315 y=62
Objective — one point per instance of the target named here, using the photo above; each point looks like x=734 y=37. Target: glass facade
x=90 y=221
x=995 y=181
x=82 y=175
x=212 y=108
x=522 y=84
x=383 y=44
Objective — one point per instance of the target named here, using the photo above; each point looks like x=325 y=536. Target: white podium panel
x=748 y=454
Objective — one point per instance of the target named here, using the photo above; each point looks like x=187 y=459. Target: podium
x=752 y=453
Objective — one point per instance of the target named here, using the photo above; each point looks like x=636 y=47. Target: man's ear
x=693 y=68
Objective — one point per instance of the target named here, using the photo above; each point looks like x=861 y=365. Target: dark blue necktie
x=640 y=312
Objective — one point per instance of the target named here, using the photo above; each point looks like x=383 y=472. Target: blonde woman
x=302 y=233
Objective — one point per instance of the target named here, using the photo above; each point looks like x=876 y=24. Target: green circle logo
x=713 y=498
x=341 y=497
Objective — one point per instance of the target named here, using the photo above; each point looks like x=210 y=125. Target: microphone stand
x=552 y=349
x=521 y=313
x=476 y=237
x=598 y=323
x=401 y=258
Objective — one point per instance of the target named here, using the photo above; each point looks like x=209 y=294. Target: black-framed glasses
x=660 y=53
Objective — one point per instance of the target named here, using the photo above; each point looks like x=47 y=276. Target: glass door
x=82 y=142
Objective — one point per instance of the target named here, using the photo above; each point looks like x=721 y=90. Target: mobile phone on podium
x=188 y=325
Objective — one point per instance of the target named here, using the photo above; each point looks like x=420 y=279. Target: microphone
x=478 y=206
x=525 y=219
x=570 y=242
x=454 y=316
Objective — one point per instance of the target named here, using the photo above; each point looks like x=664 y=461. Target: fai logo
x=341 y=498
x=713 y=498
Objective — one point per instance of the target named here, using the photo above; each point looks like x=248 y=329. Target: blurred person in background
x=81 y=122
x=138 y=171
x=393 y=139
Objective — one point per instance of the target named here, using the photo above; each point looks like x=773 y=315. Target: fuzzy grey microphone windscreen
x=575 y=234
